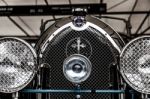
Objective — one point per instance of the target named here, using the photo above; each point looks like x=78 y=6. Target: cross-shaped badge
x=78 y=45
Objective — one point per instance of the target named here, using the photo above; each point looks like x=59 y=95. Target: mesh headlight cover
x=17 y=64
x=135 y=64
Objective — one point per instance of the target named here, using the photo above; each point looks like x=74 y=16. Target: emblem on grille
x=79 y=45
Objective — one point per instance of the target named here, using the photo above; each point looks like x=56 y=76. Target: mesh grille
x=135 y=62
x=99 y=51
x=17 y=65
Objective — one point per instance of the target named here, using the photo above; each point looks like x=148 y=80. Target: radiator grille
x=98 y=49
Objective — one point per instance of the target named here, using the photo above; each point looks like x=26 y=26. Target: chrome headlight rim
x=122 y=70
x=87 y=74
x=18 y=88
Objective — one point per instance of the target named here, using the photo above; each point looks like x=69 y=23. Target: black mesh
x=100 y=52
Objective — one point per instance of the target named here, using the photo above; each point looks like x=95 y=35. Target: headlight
x=135 y=64
x=17 y=64
x=77 y=68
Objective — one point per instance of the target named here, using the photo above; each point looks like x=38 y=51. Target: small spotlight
x=77 y=68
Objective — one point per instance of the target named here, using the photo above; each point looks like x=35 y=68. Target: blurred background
x=127 y=24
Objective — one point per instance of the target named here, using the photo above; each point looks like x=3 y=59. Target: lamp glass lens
x=135 y=64
x=17 y=64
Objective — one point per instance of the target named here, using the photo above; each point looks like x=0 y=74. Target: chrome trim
x=70 y=24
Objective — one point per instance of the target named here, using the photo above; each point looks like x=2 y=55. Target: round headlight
x=17 y=64
x=77 y=68
x=135 y=64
